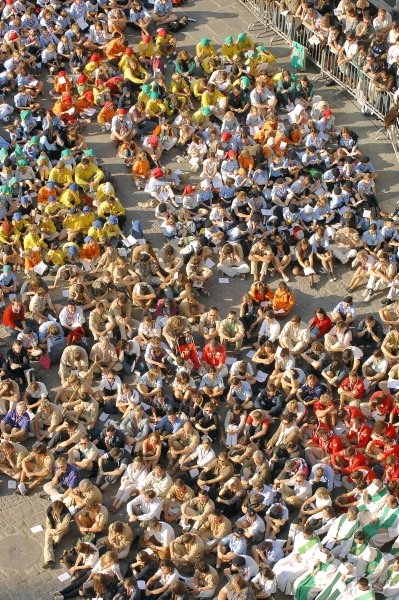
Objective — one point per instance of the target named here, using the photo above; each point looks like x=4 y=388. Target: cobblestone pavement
x=21 y=574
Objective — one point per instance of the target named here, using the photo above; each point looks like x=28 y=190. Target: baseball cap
x=157 y=173
x=153 y=140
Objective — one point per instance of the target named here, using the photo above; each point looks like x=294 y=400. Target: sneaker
x=367 y=298
x=104 y=486
x=365 y=292
x=22 y=489
x=49 y=564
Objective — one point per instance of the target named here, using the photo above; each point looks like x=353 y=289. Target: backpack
x=157 y=66
x=55 y=348
x=176 y=26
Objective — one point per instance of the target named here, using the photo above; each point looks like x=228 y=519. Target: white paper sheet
x=64 y=576
x=209 y=263
x=65 y=293
x=86 y=265
x=194 y=472
x=40 y=268
x=12 y=484
x=224 y=280
x=261 y=376
x=82 y=23
x=36 y=529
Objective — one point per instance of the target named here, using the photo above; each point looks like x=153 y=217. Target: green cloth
x=307 y=584
x=382 y=522
x=393 y=579
x=204 y=41
x=373 y=564
x=298 y=56
x=329 y=593
x=309 y=544
x=229 y=39
x=241 y=37
x=374 y=498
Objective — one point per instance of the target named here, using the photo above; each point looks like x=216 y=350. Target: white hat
x=108 y=188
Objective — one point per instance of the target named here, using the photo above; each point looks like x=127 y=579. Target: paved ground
x=21 y=573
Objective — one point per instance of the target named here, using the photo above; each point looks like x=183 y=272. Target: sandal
x=206 y=293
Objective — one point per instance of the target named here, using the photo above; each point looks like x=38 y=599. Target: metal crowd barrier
x=348 y=76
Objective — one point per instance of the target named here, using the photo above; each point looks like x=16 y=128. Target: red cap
x=13 y=35
x=95 y=58
x=81 y=79
x=157 y=173
x=129 y=51
x=189 y=189
x=327 y=113
x=162 y=32
x=67 y=98
x=147 y=39
x=7 y=227
x=89 y=95
x=121 y=111
x=231 y=154
x=153 y=140
x=226 y=136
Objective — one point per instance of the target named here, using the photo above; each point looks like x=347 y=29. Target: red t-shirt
x=354 y=462
x=356 y=387
x=11 y=318
x=214 y=357
x=384 y=401
x=362 y=435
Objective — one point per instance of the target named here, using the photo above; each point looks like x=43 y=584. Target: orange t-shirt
x=105 y=115
x=32 y=261
x=44 y=194
x=245 y=162
x=90 y=252
x=141 y=167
